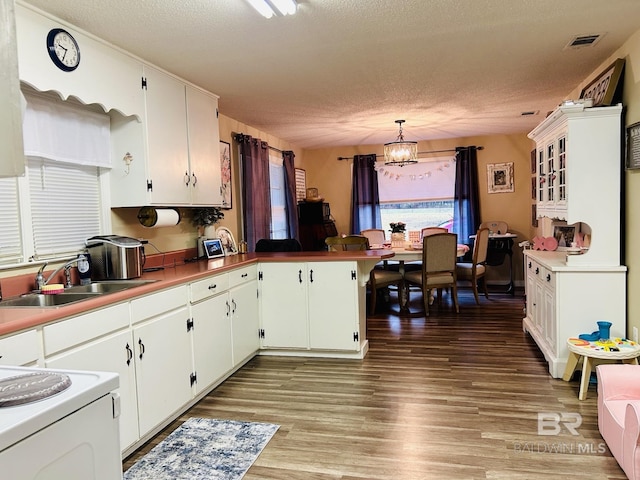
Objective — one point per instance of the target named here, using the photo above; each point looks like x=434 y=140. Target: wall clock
x=63 y=49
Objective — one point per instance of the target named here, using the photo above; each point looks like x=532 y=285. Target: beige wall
x=333 y=180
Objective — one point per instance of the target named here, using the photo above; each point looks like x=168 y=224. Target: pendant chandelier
x=400 y=152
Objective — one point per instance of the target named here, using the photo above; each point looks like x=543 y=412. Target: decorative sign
x=602 y=90
x=301 y=185
x=633 y=146
x=500 y=177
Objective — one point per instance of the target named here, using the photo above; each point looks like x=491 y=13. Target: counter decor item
x=228 y=242
x=202 y=218
x=398 y=230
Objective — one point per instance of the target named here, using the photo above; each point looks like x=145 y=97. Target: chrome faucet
x=40 y=280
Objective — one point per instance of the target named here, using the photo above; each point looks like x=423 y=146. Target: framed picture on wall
x=225 y=174
x=500 y=177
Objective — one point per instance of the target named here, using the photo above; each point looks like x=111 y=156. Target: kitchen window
x=61 y=201
x=420 y=194
x=278 y=202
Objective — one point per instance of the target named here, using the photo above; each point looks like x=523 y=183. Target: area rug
x=204 y=448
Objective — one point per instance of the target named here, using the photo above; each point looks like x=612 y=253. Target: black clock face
x=63 y=49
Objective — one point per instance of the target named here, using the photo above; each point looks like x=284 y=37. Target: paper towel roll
x=158 y=217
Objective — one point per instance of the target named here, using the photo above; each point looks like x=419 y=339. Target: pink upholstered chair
x=619 y=414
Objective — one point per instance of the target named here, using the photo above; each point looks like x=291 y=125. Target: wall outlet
x=635 y=334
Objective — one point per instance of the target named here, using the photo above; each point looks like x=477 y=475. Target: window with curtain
x=420 y=194
x=60 y=202
x=278 y=201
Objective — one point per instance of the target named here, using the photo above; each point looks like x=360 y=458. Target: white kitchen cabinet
x=21 y=349
x=333 y=314
x=564 y=301
x=578 y=175
x=204 y=147
x=106 y=76
x=99 y=341
x=162 y=352
x=243 y=311
x=283 y=305
x=312 y=306
x=113 y=353
x=211 y=331
x=172 y=157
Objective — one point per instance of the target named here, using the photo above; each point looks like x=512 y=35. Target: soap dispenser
x=84 y=268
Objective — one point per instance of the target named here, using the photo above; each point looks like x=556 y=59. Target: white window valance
x=65 y=133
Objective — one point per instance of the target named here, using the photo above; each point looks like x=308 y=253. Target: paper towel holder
x=148 y=216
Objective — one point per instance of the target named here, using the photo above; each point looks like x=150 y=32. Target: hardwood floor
x=445 y=397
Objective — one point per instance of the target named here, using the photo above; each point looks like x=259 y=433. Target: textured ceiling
x=340 y=72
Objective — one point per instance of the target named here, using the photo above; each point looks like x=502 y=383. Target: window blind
x=10 y=237
x=65 y=206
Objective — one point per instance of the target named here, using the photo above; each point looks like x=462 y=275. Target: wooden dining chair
x=476 y=270
x=348 y=242
x=439 y=253
x=376 y=236
x=431 y=230
x=378 y=278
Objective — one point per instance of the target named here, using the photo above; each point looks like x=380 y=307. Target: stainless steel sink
x=40 y=300
x=107 y=286
x=72 y=294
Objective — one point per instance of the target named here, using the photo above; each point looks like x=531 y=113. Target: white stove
x=73 y=434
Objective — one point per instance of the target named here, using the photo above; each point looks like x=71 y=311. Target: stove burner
x=31 y=387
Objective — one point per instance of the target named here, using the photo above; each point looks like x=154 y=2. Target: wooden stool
x=616 y=349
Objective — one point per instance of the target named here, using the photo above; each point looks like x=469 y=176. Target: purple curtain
x=290 y=193
x=365 y=201
x=466 y=203
x=256 y=197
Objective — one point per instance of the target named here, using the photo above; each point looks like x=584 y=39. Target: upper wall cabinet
x=101 y=74
x=172 y=157
x=11 y=150
x=579 y=166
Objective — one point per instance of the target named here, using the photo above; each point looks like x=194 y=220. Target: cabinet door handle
x=537 y=270
x=187 y=178
x=213 y=286
x=244 y=275
x=195 y=179
x=234 y=306
x=548 y=277
x=529 y=264
x=129 y=354
x=300 y=276
x=311 y=276
x=228 y=308
x=142 y=349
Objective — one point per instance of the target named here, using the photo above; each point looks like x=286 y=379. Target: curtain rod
x=419 y=153
x=234 y=135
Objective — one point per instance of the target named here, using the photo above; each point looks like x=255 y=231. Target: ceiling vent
x=582 y=41
x=530 y=112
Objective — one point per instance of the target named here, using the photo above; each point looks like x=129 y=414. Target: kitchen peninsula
x=212 y=316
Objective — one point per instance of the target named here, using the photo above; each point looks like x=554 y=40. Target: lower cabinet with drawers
x=564 y=301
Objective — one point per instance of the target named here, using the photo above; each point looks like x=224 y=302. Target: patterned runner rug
x=204 y=448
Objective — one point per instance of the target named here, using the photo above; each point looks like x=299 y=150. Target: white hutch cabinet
x=578 y=153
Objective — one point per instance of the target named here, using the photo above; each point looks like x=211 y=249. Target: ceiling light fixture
x=400 y=152
x=268 y=8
